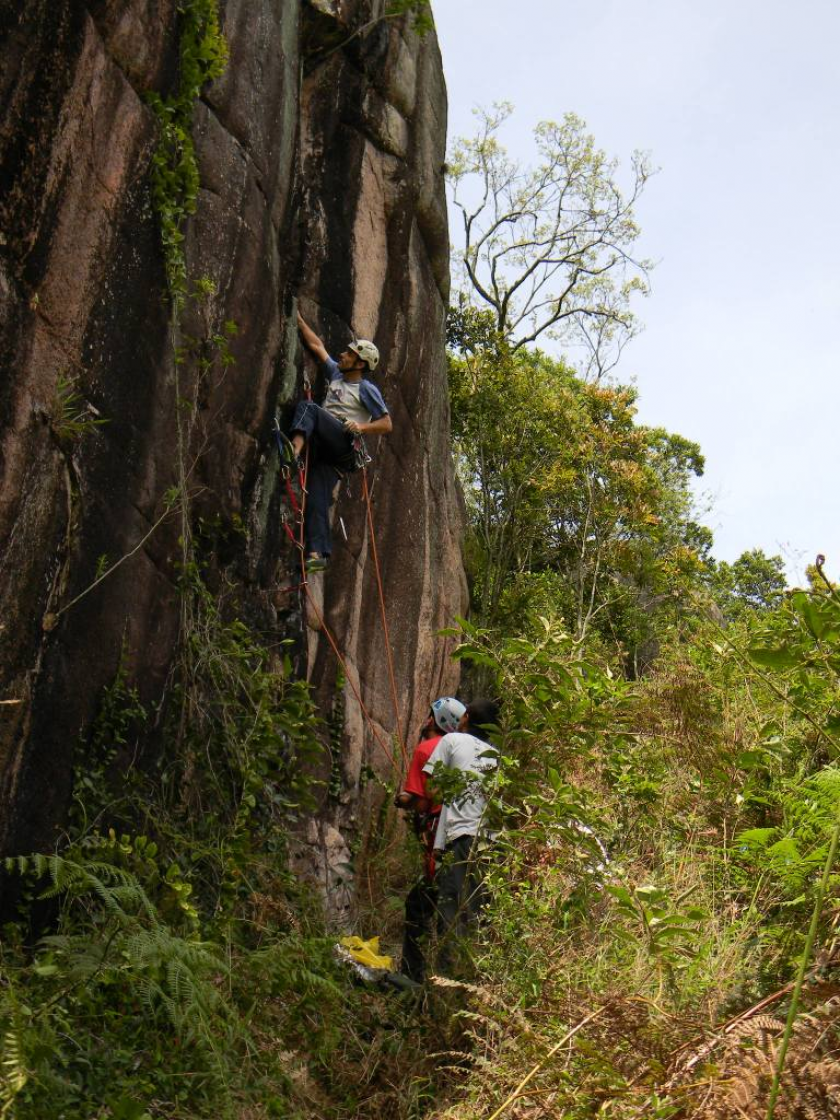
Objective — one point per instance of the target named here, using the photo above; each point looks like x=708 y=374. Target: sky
x=738 y=104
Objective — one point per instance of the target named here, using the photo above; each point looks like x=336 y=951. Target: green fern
x=170 y=972
x=826 y=784
x=118 y=890
x=178 y=975
x=73 y=417
x=14 y=1073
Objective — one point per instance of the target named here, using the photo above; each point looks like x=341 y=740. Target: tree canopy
x=569 y=498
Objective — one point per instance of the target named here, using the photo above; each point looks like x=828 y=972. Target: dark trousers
x=420 y=907
x=461 y=892
x=330 y=456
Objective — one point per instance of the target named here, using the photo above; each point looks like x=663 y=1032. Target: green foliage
x=662 y=837
x=326 y=38
x=573 y=507
x=152 y=913
x=714 y=785
x=96 y=784
x=212 y=348
x=73 y=417
x=175 y=179
x=754 y=582
x=419 y=12
x=244 y=735
x=13 y=1072
x=669 y=931
x=114 y=950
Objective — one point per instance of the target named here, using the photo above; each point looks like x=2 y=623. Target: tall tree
x=754 y=582
x=549 y=249
x=566 y=494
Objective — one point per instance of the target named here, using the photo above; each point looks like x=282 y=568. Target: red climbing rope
x=300 y=508
x=390 y=659
x=342 y=661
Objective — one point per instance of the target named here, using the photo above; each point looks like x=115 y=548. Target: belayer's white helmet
x=366 y=351
x=447 y=713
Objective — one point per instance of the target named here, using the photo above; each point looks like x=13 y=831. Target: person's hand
x=353 y=426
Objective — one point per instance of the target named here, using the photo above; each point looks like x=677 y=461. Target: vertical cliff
x=320 y=159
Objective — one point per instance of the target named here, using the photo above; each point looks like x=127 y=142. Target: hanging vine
x=203 y=55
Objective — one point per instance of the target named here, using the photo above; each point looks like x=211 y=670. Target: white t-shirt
x=464 y=752
x=343 y=401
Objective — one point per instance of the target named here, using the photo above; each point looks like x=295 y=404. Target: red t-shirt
x=415 y=782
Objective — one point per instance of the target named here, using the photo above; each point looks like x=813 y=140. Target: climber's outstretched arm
x=310 y=340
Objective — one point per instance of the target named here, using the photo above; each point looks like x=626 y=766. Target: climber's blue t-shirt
x=369 y=394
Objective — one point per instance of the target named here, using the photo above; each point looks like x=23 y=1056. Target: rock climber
x=461 y=762
x=420 y=904
x=353 y=408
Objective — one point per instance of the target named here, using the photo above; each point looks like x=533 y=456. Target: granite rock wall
x=321 y=165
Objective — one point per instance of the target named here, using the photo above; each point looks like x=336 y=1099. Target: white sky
x=738 y=103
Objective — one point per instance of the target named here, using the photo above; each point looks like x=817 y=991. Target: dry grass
x=734 y=1077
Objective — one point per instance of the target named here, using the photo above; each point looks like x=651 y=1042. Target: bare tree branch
x=559 y=235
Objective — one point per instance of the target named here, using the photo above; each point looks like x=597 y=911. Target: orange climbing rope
x=366 y=493
x=342 y=661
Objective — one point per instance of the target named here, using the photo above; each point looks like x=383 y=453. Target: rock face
x=320 y=158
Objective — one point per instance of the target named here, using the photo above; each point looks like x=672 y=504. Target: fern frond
x=14 y=1073
x=146 y=992
x=758 y=1024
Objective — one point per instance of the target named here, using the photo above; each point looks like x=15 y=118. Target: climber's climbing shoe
x=290 y=461
x=315 y=563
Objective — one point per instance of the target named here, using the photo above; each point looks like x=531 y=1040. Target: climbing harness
x=360 y=454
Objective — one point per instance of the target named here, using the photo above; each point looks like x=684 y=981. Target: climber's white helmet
x=366 y=351
x=447 y=712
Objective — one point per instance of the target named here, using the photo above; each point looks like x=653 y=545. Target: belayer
x=421 y=903
x=353 y=408
x=463 y=840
